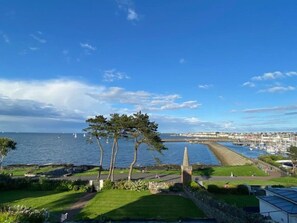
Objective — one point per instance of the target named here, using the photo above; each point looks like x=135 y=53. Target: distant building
x=280 y=204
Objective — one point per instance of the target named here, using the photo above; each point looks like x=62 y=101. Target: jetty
x=227 y=156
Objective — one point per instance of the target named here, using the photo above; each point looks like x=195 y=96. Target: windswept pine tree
x=98 y=129
x=143 y=131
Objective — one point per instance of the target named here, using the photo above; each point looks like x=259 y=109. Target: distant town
x=273 y=143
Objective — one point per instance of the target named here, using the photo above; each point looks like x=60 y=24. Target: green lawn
x=239 y=200
x=120 y=204
x=55 y=202
x=246 y=170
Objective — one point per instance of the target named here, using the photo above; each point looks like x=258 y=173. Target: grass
x=120 y=204
x=55 y=202
x=284 y=181
x=246 y=170
x=239 y=201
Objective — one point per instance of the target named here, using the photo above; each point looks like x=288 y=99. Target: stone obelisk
x=186 y=169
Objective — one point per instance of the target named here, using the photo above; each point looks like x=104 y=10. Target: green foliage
x=292 y=151
x=270 y=159
x=194 y=186
x=6 y=145
x=138 y=185
x=41 y=184
x=22 y=214
x=108 y=184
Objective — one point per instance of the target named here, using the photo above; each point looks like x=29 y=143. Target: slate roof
x=284 y=199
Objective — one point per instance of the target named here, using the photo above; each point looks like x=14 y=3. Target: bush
x=177 y=187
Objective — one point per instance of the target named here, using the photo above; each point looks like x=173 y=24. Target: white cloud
x=277 y=89
x=205 y=86
x=87 y=46
x=74 y=101
x=114 y=75
x=38 y=37
x=132 y=15
x=248 y=84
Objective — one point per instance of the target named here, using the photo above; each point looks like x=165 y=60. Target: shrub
x=138 y=185
x=21 y=214
x=194 y=186
x=108 y=184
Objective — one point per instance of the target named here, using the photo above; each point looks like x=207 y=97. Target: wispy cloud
x=5 y=37
x=127 y=6
x=291 y=113
x=87 y=46
x=248 y=84
x=132 y=15
x=205 y=86
x=114 y=75
x=277 y=89
x=269 y=76
x=271 y=109
x=182 y=61
x=38 y=37
x=190 y=124
x=33 y=48
x=274 y=75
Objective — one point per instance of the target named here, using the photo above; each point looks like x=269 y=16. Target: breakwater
x=227 y=156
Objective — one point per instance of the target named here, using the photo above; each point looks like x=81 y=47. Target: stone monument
x=186 y=169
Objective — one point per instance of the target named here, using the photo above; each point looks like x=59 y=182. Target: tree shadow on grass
x=149 y=207
x=205 y=172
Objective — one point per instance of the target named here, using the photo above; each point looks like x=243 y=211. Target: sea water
x=57 y=148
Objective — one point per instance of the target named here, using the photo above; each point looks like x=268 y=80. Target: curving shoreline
x=227 y=156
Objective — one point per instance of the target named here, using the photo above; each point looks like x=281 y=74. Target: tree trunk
x=101 y=159
x=134 y=161
x=111 y=159
x=114 y=160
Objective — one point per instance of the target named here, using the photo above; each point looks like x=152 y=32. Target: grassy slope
x=55 y=202
x=118 y=204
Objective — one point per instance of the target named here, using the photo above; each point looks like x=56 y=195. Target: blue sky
x=191 y=65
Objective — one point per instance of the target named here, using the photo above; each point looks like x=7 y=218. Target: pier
x=227 y=156
x=224 y=155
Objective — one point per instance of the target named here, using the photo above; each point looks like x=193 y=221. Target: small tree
x=143 y=131
x=98 y=128
x=6 y=145
x=293 y=156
